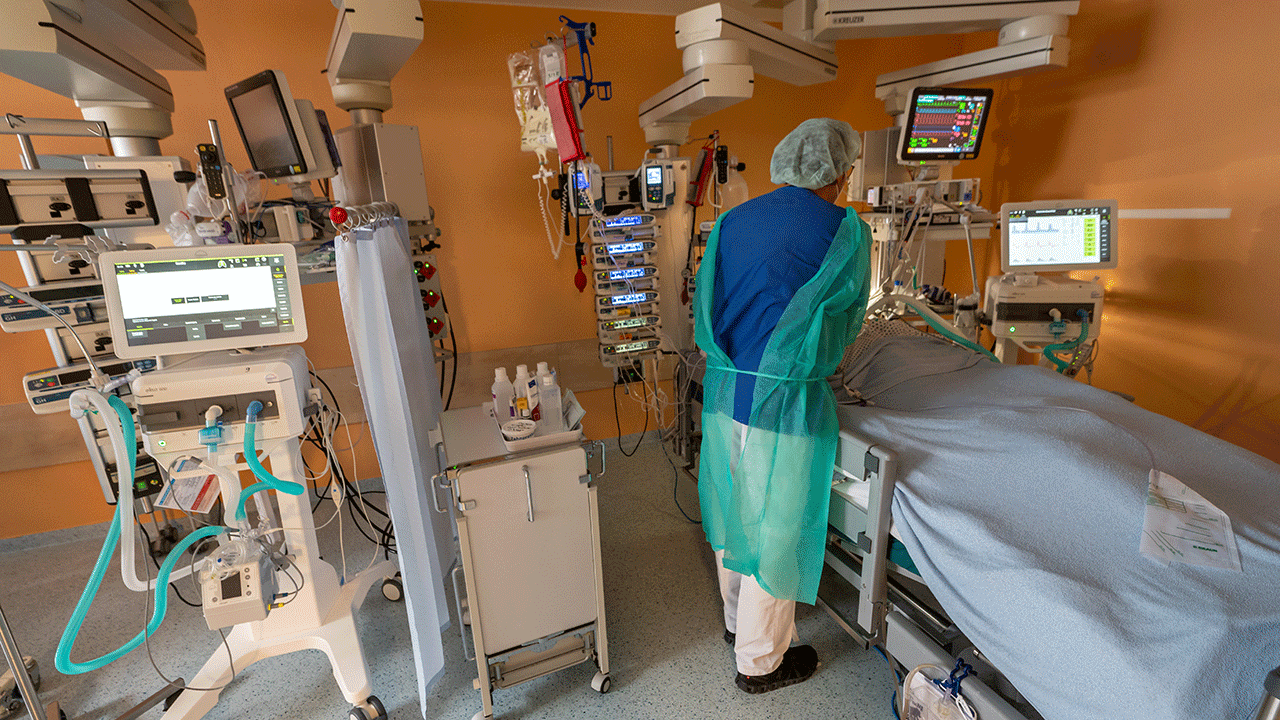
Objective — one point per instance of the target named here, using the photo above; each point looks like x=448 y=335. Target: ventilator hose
x=62 y=658
x=1049 y=350
x=267 y=481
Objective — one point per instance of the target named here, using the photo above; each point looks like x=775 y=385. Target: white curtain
x=395 y=367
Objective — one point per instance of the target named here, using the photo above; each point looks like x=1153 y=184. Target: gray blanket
x=1021 y=498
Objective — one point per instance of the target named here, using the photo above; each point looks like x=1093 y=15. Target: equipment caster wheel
x=393 y=589
x=600 y=683
x=375 y=712
x=481 y=716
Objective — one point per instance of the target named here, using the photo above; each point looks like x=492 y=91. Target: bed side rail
x=879 y=468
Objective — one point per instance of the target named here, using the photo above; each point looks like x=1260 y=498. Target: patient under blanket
x=1021 y=497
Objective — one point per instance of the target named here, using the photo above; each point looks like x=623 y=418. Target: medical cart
x=532 y=589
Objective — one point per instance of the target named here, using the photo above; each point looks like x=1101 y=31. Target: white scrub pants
x=764 y=625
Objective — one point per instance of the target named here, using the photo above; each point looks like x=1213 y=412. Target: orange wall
x=1169 y=103
x=457 y=91
x=1190 y=325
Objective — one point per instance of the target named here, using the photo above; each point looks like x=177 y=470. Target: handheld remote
x=211 y=168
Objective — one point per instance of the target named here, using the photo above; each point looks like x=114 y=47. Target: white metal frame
x=320 y=617
x=880 y=621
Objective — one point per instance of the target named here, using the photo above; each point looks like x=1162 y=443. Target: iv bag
x=536 y=135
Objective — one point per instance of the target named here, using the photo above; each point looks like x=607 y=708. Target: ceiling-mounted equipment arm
x=724 y=46
x=372 y=40
x=1032 y=36
x=103 y=55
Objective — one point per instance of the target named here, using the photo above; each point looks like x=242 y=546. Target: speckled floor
x=668 y=658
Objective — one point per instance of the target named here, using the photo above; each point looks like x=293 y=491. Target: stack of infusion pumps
x=637 y=251
x=624 y=258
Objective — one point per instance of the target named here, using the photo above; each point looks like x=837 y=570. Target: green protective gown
x=765 y=494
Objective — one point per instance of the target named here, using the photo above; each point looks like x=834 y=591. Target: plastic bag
x=531 y=104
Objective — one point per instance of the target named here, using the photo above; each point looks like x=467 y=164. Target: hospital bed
x=994 y=512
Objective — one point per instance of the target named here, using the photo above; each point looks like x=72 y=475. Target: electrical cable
x=146 y=638
x=99 y=376
x=676 y=485
x=454 y=337
x=893 y=700
x=618 y=423
x=147 y=538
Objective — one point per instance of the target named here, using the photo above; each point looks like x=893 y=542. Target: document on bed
x=1181 y=526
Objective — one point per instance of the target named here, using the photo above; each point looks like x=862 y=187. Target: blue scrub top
x=770 y=246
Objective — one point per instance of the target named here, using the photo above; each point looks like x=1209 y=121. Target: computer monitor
x=944 y=125
x=176 y=301
x=1058 y=236
x=283 y=136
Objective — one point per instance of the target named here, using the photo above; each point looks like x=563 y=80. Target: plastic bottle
x=551 y=404
x=526 y=395
x=503 y=395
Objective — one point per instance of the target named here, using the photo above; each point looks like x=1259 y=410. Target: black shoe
x=798 y=665
x=729 y=637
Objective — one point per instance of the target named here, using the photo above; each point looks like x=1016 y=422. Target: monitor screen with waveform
x=944 y=124
x=1058 y=235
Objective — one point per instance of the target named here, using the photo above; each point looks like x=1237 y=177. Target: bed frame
x=895 y=610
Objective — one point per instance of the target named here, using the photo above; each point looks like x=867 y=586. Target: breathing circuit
x=124 y=438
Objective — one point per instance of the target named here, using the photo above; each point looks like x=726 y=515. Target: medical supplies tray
x=536 y=441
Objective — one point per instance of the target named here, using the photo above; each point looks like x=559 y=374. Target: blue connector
x=211 y=437
x=255 y=407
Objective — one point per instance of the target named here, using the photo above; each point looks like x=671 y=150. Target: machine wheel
x=393 y=589
x=380 y=712
x=481 y=716
x=600 y=683
x=358 y=713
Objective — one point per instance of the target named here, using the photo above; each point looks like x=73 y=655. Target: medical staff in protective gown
x=781 y=291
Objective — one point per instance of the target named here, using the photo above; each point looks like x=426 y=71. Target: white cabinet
x=529 y=536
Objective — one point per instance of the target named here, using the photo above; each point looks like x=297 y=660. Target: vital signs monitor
x=182 y=300
x=943 y=125
x=1058 y=236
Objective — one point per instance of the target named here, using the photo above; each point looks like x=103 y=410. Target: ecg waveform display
x=1073 y=236
x=946 y=125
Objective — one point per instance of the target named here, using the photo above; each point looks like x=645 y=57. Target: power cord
x=618 y=422
x=675 y=485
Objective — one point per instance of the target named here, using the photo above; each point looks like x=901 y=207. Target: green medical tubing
x=958 y=338
x=266 y=479
x=1048 y=350
x=62 y=659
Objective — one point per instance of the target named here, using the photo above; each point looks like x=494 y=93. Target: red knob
x=338 y=215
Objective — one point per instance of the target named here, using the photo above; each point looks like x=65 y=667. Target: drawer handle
x=528 y=489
